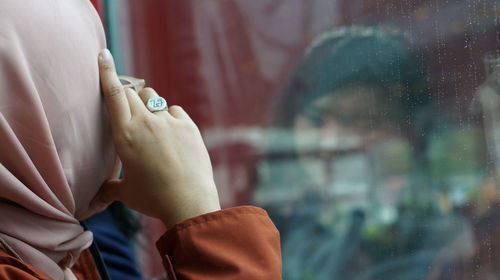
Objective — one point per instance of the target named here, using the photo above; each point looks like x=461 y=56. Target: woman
x=361 y=203
x=57 y=153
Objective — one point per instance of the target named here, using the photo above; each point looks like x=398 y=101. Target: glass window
x=369 y=130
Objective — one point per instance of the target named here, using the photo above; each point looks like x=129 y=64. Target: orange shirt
x=235 y=243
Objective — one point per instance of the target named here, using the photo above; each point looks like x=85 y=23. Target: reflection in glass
x=352 y=173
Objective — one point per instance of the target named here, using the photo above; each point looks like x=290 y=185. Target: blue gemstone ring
x=156 y=104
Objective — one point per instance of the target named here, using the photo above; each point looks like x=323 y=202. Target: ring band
x=156 y=104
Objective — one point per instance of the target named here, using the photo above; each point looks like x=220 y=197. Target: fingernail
x=105 y=55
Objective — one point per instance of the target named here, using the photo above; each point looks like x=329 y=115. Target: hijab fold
x=55 y=141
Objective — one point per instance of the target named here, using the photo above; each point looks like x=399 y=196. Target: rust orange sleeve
x=235 y=243
x=12 y=268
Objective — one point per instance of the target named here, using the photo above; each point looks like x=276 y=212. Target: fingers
x=123 y=103
x=147 y=93
x=178 y=113
x=113 y=91
x=136 y=105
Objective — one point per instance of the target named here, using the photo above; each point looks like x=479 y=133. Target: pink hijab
x=55 y=142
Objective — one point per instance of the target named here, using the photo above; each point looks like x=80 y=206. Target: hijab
x=55 y=141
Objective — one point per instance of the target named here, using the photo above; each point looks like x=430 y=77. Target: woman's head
x=56 y=146
x=360 y=77
x=357 y=91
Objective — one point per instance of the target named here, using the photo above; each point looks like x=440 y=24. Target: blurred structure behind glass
x=357 y=111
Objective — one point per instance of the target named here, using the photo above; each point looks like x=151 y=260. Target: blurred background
x=368 y=129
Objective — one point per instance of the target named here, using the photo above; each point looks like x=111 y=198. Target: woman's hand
x=167 y=169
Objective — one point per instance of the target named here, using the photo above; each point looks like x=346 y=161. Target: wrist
x=188 y=213
x=191 y=207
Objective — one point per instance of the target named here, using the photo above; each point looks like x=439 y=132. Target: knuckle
x=125 y=138
x=176 y=108
x=149 y=124
x=189 y=126
x=107 y=67
x=115 y=91
x=148 y=89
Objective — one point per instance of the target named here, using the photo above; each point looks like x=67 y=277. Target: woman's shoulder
x=13 y=268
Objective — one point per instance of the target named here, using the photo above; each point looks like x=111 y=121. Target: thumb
x=107 y=194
